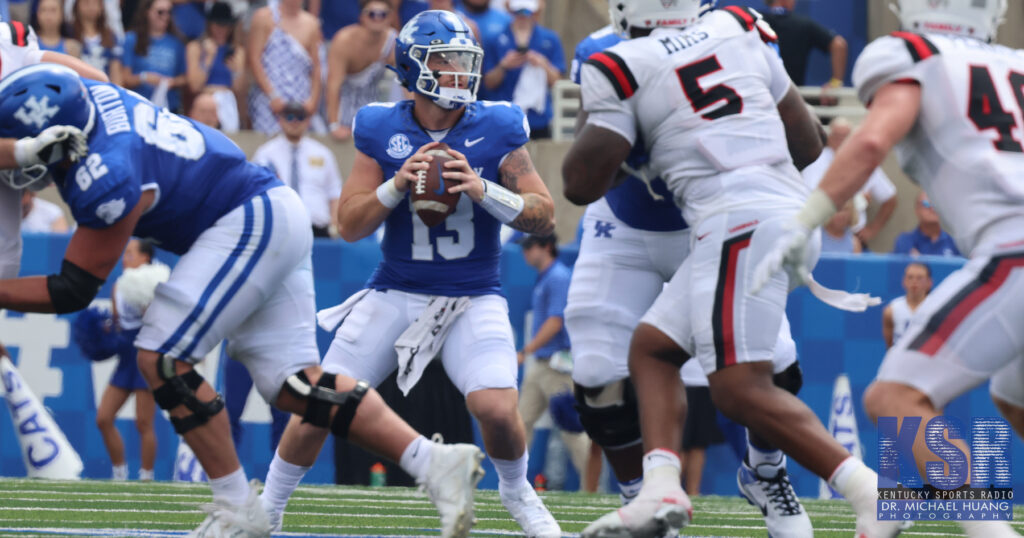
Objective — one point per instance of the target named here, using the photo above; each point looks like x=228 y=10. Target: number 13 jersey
x=965 y=149
x=704 y=100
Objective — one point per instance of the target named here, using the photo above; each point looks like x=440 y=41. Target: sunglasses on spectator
x=377 y=14
x=294 y=116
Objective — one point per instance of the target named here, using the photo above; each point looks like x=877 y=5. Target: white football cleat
x=529 y=511
x=450 y=483
x=774 y=496
x=225 y=520
x=655 y=512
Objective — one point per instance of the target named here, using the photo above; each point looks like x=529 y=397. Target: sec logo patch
x=399 y=146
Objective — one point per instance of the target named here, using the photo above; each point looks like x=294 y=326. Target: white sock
x=120 y=472
x=628 y=490
x=282 y=479
x=857 y=483
x=146 y=475
x=232 y=487
x=415 y=459
x=511 y=473
x=660 y=457
x=766 y=462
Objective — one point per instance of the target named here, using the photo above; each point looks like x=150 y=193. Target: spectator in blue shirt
x=154 y=55
x=523 y=63
x=48 y=21
x=928 y=238
x=550 y=374
x=492 y=23
x=335 y=15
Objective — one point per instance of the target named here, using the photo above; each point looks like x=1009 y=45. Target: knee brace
x=609 y=414
x=320 y=398
x=181 y=390
x=790 y=379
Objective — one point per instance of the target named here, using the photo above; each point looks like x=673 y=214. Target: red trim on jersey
x=19 y=29
x=743 y=15
x=967 y=305
x=921 y=48
x=616 y=71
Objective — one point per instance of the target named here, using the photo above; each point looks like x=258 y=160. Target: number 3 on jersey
x=449 y=247
x=986 y=111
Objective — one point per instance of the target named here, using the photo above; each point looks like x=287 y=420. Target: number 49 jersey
x=197 y=173
x=965 y=150
x=704 y=100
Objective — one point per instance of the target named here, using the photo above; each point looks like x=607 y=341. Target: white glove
x=789 y=252
x=51 y=146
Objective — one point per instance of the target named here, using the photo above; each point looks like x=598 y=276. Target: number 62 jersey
x=965 y=150
x=197 y=173
x=704 y=100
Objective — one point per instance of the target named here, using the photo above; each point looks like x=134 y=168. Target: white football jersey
x=703 y=100
x=18 y=48
x=965 y=150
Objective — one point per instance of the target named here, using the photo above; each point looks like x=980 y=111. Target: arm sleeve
x=605 y=108
x=106 y=201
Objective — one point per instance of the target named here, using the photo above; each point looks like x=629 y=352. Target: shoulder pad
x=750 y=19
x=15 y=32
x=918 y=45
x=618 y=73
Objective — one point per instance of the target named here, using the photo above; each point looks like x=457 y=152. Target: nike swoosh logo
x=440 y=178
x=699 y=237
x=470 y=143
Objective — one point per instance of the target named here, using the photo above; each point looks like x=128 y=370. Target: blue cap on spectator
x=523 y=7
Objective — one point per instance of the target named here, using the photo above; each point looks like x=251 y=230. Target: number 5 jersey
x=197 y=173
x=965 y=149
x=704 y=101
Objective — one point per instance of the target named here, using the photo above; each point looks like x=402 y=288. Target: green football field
x=100 y=508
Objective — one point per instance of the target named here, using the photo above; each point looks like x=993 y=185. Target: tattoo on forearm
x=535 y=217
x=516 y=165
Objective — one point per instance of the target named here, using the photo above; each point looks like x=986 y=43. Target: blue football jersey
x=460 y=256
x=199 y=175
x=631 y=201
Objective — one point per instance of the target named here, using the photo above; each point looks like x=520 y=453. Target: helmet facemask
x=35 y=178
x=449 y=74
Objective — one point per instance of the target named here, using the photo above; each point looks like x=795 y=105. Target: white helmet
x=629 y=14
x=969 y=18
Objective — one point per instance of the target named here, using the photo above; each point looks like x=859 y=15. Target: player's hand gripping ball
x=429 y=192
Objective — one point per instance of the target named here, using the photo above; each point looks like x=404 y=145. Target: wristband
x=331 y=127
x=25 y=152
x=389 y=195
x=835 y=83
x=500 y=202
x=817 y=210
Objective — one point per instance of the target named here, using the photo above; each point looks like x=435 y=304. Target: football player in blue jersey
x=437 y=291
x=245 y=274
x=634 y=240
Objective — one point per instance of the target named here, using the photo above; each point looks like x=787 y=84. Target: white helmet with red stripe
x=969 y=18
x=629 y=14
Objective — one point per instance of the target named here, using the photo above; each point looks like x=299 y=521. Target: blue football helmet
x=649 y=14
x=437 y=56
x=34 y=98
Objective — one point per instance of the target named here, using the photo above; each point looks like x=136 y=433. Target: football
x=430 y=197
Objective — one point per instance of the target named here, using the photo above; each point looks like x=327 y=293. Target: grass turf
x=91 y=508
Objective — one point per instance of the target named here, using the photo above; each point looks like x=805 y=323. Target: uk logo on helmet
x=37 y=112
